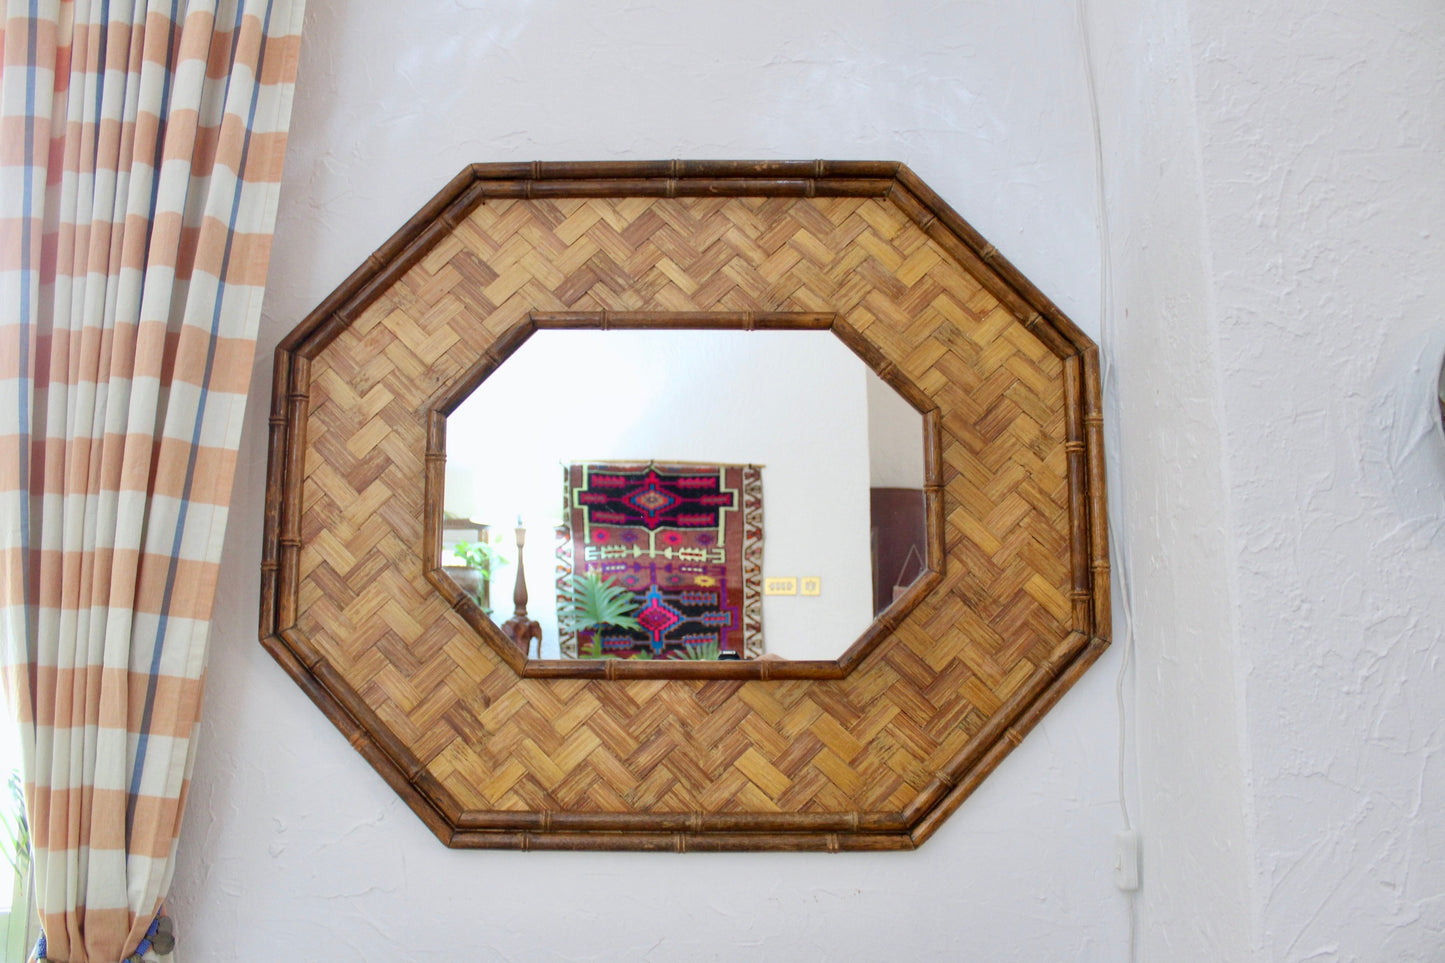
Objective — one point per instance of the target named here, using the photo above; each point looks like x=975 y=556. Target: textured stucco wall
x=292 y=844
x=1322 y=134
x=1277 y=181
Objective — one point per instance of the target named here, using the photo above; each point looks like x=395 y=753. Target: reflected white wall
x=895 y=437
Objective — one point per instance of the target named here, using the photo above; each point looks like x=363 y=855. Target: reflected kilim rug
x=685 y=541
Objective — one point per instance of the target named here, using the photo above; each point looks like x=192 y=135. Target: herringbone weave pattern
x=866 y=743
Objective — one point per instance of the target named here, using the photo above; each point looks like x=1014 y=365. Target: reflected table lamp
x=519 y=628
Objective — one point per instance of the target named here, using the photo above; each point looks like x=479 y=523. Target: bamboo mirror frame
x=871 y=751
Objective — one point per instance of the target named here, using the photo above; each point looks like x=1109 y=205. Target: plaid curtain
x=140 y=150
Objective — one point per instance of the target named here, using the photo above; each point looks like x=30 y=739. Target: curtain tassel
x=160 y=937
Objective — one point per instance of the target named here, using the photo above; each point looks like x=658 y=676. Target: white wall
x=1277 y=183
x=895 y=437
x=791 y=402
x=1323 y=137
x=1275 y=195
x=1169 y=496
x=292 y=844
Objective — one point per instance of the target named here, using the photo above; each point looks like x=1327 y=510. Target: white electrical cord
x=1106 y=354
x=1107 y=325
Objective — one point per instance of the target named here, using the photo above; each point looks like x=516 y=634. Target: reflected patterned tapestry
x=682 y=547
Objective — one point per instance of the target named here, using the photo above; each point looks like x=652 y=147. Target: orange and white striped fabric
x=141 y=146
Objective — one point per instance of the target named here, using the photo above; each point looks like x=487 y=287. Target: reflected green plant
x=482 y=556
x=596 y=601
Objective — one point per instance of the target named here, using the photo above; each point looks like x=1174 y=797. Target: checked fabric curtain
x=141 y=146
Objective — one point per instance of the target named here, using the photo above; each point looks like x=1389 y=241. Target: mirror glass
x=683 y=494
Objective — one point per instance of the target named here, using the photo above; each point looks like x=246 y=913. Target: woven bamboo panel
x=874 y=759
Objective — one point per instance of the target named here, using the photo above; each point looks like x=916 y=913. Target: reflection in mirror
x=697 y=494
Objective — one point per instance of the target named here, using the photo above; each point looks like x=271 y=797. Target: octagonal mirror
x=607 y=351
x=684 y=495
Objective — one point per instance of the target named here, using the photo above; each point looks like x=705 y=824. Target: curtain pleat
x=141 y=146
